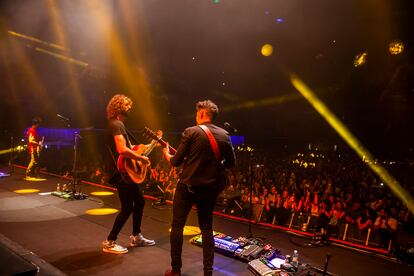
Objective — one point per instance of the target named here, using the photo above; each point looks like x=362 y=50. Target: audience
x=323 y=191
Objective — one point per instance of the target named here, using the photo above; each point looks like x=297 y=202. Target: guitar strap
x=131 y=137
x=213 y=142
x=115 y=163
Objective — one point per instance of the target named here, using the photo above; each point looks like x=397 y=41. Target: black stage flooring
x=59 y=232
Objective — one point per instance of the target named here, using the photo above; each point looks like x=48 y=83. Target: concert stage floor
x=60 y=232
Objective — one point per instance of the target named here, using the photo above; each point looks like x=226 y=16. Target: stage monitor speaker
x=13 y=264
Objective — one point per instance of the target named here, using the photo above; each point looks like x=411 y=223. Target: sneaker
x=139 y=240
x=112 y=247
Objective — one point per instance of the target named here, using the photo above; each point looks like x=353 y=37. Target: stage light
x=34 y=179
x=267 y=50
x=102 y=193
x=190 y=230
x=101 y=211
x=360 y=59
x=26 y=191
x=280 y=20
x=34 y=39
x=62 y=57
x=353 y=142
x=396 y=47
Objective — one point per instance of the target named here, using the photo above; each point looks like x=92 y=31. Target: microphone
x=63 y=117
x=228 y=126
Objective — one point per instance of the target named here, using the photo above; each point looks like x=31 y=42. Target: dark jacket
x=195 y=153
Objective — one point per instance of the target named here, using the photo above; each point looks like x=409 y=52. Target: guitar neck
x=164 y=145
x=151 y=134
x=150 y=148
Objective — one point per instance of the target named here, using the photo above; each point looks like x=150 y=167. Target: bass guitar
x=136 y=169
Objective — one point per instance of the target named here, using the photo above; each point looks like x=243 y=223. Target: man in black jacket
x=201 y=181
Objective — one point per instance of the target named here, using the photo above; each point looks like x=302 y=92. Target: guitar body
x=135 y=169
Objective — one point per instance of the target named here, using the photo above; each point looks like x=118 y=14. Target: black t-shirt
x=115 y=127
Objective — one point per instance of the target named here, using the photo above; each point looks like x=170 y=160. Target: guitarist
x=201 y=181
x=34 y=146
x=130 y=194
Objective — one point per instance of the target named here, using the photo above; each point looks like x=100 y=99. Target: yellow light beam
x=10 y=85
x=31 y=38
x=31 y=74
x=15 y=149
x=262 y=102
x=63 y=57
x=74 y=86
x=352 y=141
x=255 y=103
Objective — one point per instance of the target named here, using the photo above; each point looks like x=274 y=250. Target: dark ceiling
x=191 y=50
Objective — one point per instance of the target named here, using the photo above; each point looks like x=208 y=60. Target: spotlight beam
x=33 y=39
x=352 y=141
x=63 y=57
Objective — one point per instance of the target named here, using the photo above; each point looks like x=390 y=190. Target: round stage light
x=102 y=193
x=360 y=59
x=190 y=230
x=396 y=47
x=101 y=211
x=267 y=50
x=27 y=191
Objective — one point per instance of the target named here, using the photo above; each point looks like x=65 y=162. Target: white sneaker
x=112 y=247
x=139 y=240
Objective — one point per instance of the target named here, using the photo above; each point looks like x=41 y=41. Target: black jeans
x=204 y=198
x=132 y=201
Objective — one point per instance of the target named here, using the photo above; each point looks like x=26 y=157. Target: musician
x=201 y=181
x=34 y=146
x=130 y=193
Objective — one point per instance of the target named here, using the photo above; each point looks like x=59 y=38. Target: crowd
x=324 y=192
x=314 y=192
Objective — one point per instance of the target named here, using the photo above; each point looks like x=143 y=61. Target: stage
x=59 y=232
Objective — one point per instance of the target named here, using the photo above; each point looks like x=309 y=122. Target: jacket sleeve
x=229 y=156
x=182 y=149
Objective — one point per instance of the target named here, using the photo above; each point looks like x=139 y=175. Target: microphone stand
x=11 y=167
x=75 y=178
x=251 y=180
x=233 y=130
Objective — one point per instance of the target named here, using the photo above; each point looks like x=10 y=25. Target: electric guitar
x=136 y=169
x=40 y=145
x=152 y=135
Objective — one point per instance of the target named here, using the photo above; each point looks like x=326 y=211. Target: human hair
x=212 y=109
x=119 y=104
x=36 y=121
